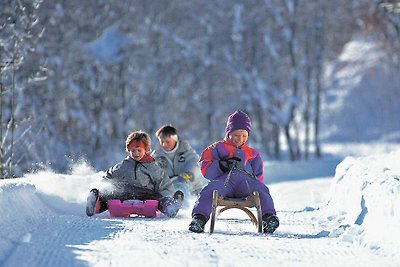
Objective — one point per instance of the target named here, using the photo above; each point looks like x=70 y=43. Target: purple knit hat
x=238 y=120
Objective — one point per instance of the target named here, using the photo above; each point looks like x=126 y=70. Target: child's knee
x=261 y=188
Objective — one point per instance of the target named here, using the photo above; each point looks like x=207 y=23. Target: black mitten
x=228 y=164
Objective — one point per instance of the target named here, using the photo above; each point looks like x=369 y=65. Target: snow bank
x=21 y=212
x=25 y=203
x=364 y=203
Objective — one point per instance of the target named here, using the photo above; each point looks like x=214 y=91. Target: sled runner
x=238 y=203
x=129 y=208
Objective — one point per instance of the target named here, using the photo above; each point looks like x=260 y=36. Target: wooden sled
x=238 y=203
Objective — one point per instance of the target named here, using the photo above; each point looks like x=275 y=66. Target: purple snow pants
x=236 y=187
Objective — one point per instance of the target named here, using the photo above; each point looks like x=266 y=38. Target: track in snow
x=74 y=240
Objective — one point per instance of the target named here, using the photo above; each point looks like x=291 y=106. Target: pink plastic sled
x=147 y=208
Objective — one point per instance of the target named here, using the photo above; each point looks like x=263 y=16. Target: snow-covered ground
x=350 y=217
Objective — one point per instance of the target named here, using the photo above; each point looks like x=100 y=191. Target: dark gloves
x=228 y=164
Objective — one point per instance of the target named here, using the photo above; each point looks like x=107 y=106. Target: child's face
x=137 y=153
x=238 y=137
x=167 y=142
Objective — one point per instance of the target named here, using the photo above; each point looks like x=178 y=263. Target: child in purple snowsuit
x=235 y=170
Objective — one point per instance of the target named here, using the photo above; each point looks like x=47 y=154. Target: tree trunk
x=1 y=124
x=307 y=104
x=318 y=86
x=276 y=142
x=289 y=142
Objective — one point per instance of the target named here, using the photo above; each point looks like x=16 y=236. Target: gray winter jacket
x=185 y=159
x=131 y=174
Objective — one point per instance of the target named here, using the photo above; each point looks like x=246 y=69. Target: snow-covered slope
x=362 y=93
x=349 y=219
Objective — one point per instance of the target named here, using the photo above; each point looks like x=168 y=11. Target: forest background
x=77 y=76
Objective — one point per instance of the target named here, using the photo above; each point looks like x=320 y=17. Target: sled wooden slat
x=238 y=203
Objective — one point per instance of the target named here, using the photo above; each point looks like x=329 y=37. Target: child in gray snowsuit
x=138 y=176
x=179 y=160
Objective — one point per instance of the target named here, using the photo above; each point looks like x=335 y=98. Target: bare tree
x=17 y=36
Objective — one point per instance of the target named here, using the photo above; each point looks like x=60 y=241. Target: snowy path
x=76 y=240
x=331 y=221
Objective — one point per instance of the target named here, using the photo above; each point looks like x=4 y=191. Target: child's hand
x=180 y=183
x=186 y=176
x=228 y=164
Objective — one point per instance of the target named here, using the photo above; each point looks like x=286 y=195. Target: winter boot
x=172 y=205
x=270 y=223
x=178 y=196
x=197 y=224
x=92 y=202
